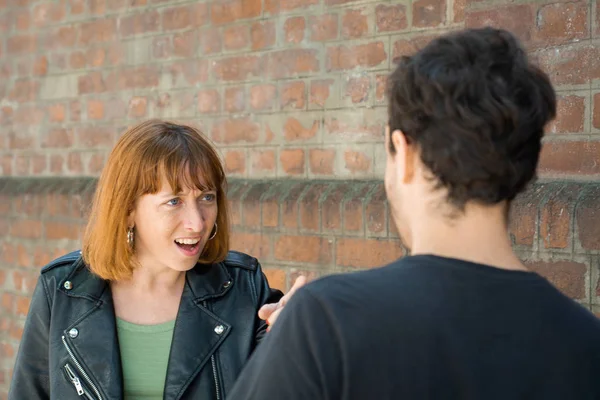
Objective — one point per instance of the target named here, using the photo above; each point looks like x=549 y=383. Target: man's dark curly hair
x=476 y=109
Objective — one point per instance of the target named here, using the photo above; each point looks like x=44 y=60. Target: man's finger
x=271 y=320
x=265 y=311
x=300 y=281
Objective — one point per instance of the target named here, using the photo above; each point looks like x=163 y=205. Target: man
x=461 y=317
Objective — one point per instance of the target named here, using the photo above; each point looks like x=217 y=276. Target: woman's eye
x=173 y=202
x=209 y=197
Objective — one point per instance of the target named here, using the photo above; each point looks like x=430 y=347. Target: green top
x=144 y=358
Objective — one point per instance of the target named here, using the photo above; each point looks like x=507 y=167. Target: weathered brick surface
x=288 y=90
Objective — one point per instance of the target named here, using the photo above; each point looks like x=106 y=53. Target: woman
x=154 y=306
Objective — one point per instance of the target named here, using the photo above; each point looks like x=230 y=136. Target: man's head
x=466 y=118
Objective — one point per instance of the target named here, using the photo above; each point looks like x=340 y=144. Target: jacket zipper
x=214 y=367
x=72 y=376
x=213 y=361
x=83 y=373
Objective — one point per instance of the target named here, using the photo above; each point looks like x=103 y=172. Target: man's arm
x=299 y=359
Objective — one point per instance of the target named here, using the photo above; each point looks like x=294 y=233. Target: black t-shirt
x=427 y=327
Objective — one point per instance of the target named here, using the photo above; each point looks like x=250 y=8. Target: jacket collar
x=206 y=281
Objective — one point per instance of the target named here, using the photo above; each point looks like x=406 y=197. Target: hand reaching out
x=270 y=312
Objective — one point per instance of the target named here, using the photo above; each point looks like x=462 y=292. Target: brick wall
x=291 y=91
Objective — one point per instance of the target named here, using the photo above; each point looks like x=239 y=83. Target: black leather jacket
x=69 y=348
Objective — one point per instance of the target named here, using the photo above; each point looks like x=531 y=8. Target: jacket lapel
x=92 y=337
x=198 y=332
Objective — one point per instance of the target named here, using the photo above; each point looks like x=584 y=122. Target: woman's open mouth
x=189 y=247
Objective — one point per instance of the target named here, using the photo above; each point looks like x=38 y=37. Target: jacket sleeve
x=30 y=378
x=265 y=295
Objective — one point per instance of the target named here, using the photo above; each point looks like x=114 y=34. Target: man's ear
x=405 y=156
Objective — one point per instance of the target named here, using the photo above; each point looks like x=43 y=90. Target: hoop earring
x=130 y=237
x=215 y=233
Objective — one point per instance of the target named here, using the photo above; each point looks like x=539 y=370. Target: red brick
x=235 y=99
x=376 y=212
x=22 y=20
x=39 y=163
x=210 y=40
x=356 y=161
x=277 y=6
x=136 y=24
x=21 y=44
x=235 y=162
x=40 y=66
x=365 y=55
x=321 y=161
x=523 y=218
x=358 y=89
x=60 y=38
x=518 y=18
x=137 y=107
x=303 y=249
x=294 y=130
x=391 y=18
x=22 y=165
x=236 y=37
x=238 y=68
x=47 y=13
x=276 y=278
x=145 y=76
x=91 y=83
x=193 y=71
x=183 y=17
x=263 y=97
x=319 y=91
x=22 y=305
x=95 y=136
x=380 y=87
x=262 y=160
x=95 y=109
x=77 y=60
x=270 y=208
x=354 y=208
x=294 y=28
x=24 y=90
x=6 y=165
x=588 y=219
x=74 y=163
x=596 y=112
x=556 y=217
x=570 y=115
x=26 y=229
x=292 y=161
x=562 y=22
x=571 y=158
x=429 y=13
x=77 y=7
x=292 y=62
x=58 y=137
x=262 y=35
x=323 y=27
x=257 y=245
x=251 y=213
x=309 y=219
x=235 y=131
x=567 y=276
x=459 y=10
x=355 y=24
x=101 y=30
x=366 y=253
x=57 y=163
x=184 y=44
x=96 y=163
x=224 y=12
x=358 y=130
x=293 y=95
x=209 y=101
x=21 y=139
x=28 y=205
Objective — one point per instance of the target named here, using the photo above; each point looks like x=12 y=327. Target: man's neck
x=480 y=235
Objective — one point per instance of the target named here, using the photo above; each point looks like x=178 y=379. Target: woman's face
x=171 y=229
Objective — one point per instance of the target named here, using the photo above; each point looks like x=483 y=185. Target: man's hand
x=270 y=312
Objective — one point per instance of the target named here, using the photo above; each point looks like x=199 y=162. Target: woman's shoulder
x=237 y=259
x=62 y=265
